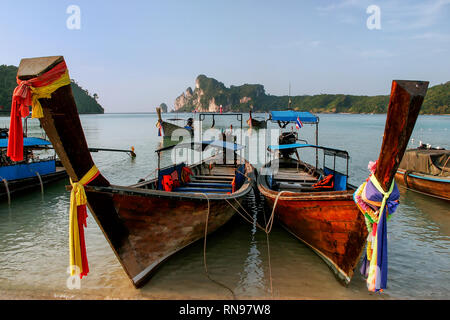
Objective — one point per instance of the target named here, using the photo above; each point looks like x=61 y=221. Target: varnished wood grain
x=404 y=106
x=332 y=226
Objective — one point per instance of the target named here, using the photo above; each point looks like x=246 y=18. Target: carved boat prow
x=327 y=220
x=170 y=129
x=143 y=224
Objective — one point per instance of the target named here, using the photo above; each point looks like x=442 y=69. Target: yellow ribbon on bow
x=77 y=198
x=46 y=92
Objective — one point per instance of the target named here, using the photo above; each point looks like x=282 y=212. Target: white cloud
x=339 y=5
x=297 y=44
x=403 y=16
x=433 y=36
x=396 y=15
x=377 y=53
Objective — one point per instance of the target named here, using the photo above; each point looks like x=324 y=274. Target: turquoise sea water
x=34 y=229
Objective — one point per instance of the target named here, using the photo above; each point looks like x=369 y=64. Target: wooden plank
x=211 y=181
x=34 y=67
x=292 y=178
x=214 y=177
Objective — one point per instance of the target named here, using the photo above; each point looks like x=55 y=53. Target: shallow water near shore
x=34 y=229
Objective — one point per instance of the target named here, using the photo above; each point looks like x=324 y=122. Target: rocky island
x=209 y=94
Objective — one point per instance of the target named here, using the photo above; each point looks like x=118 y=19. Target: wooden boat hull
x=430 y=185
x=257 y=124
x=27 y=184
x=329 y=223
x=159 y=225
x=170 y=128
x=253 y=123
x=143 y=224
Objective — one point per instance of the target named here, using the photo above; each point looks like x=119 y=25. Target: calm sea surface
x=34 y=229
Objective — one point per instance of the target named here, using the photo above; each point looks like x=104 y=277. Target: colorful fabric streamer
x=77 y=223
x=159 y=126
x=377 y=207
x=27 y=93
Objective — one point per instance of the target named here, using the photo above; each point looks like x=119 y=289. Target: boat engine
x=287 y=138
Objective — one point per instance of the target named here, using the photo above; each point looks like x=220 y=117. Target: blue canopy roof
x=27 y=142
x=328 y=151
x=224 y=144
x=290 y=146
x=291 y=116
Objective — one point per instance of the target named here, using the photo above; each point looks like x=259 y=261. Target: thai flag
x=298 y=123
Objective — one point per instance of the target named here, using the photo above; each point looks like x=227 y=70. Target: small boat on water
x=168 y=128
x=254 y=123
x=37 y=168
x=315 y=203
x=427 y=171
x=147 y=222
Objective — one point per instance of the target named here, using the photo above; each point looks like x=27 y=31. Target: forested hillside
x=85 y=102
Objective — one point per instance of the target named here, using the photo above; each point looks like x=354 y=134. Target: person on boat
x=189 y=124
x=29 y=156
x=229 y=131
x=289 y=137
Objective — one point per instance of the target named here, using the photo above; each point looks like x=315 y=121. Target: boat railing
x=327 y=152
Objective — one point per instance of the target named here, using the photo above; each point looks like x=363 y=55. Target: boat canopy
x=427 y=161
x=327 y=151
x=27 y=142
x=202 y=145
x=291 y=116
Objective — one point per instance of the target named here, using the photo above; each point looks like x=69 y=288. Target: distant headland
x=209 y=94
x=86 y=103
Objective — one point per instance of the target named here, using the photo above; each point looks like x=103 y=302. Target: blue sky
x=137 y=54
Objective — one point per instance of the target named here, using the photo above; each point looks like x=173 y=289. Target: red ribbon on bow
x=21 y=100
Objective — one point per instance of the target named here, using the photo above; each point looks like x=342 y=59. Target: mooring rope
x=267 y=229
x=7 y=191
x=204 y=249
x=247 y=218
x=270 y=222
x=40 y=180
x=269 y=225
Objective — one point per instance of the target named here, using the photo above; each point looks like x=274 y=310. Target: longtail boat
x=148 y=222
x=316 y=204
x=35 y=170
x=427 y=171
x=168 y=128
x=254 y=123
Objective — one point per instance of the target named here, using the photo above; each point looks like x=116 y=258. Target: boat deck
x=217 y=180
x=294 y=180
